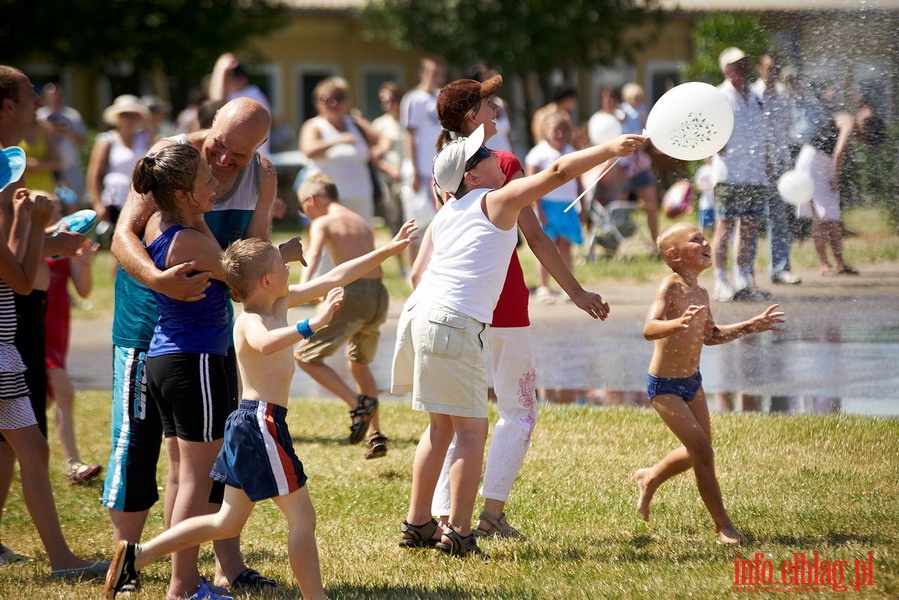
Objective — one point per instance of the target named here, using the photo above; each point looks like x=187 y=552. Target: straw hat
x=126 y=103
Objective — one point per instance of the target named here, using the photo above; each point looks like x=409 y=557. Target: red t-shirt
x=512 y=307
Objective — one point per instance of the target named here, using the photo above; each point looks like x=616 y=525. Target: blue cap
x=12 y=166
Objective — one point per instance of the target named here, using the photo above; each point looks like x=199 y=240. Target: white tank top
x=120 y=167
x=470 y=259
x=346 y=164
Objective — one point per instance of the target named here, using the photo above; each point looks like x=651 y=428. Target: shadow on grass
x=399 y=592
x=332 y=440
x=831 y=538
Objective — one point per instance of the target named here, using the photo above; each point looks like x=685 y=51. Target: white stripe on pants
x=511 y=355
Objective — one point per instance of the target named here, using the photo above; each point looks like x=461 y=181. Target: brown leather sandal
x=498 y=528
x=419 y=536
x=361 y=416
x=458 y=545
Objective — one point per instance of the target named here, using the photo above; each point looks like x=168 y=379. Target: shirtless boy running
x=680 y=322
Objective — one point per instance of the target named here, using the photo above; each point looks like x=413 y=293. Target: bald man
x=245 y=191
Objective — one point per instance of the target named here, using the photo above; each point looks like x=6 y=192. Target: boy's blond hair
x=668 y=239
x=318 y=184
x=244 y=263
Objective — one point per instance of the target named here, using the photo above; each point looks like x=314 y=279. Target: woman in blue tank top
x=186 y=375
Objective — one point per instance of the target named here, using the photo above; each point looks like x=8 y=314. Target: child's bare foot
x=645 y=490
x=730 y=535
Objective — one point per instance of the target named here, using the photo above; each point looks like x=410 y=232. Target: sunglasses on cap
x=475 y=160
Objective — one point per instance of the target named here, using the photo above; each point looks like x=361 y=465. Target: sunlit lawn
x=812 y=484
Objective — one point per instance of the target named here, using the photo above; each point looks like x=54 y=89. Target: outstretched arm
x=223 y=64
x=352 y=270
x=268 y=341
x=767 y=321
x=503 y=205
x=548 y=255
x=260 y=225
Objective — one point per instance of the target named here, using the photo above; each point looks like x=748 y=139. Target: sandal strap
x=420 y=533
x=498 y=527
x=459 y=545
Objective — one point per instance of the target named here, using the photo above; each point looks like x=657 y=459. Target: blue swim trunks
x=257 y=454
x=685 y=387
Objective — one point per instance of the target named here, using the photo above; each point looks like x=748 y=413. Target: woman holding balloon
x=462 y=107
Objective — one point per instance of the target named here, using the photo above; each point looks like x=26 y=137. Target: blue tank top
x=188 y=327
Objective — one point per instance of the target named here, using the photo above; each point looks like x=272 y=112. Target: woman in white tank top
x=341 y=146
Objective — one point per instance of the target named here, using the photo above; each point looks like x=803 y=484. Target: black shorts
x=193 y=394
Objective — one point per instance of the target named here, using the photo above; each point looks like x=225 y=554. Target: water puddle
x=731 y=402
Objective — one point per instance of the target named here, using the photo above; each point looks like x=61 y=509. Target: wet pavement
x=838 y=351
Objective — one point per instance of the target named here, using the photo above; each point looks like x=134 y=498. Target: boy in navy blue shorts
x=257 y=460
x=680 y=323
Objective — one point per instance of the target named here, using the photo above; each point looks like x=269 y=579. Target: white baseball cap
x=449 y=165
x=729 y=56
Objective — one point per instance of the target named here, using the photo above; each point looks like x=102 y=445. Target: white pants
x=511 y=355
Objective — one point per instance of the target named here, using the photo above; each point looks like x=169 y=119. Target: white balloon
x=796 y=187
x=691 y=121
x=603 y=127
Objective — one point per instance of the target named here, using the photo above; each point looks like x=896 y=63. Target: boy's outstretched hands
x=327 y=309
x=625 y=145
x=403 y=238
x=767 y=321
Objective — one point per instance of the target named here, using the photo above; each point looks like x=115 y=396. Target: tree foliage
x=180 y=37
x=714 y=33
x=516 y=36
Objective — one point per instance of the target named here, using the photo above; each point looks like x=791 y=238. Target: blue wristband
x=304 y=330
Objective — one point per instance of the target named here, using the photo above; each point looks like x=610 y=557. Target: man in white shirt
x=778 y=115
x=69 y=134
x=742 y=189
x=230 y=80
x=418 y=116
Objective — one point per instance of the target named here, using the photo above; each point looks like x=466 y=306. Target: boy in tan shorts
x=345 y=235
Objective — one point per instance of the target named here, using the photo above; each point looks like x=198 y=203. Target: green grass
x=825 y=484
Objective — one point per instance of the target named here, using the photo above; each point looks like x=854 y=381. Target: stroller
x=609 y=227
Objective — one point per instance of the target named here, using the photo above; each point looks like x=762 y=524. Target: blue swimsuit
x=685 y=387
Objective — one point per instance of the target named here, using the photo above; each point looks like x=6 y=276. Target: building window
x=661 y=76
x=373 y=76
x=306 y=78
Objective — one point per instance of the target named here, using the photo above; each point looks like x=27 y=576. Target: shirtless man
x=346 y=236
